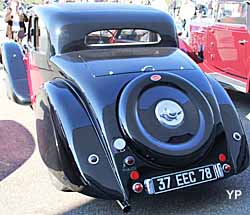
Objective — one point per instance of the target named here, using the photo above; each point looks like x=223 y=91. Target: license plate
x=187 y=178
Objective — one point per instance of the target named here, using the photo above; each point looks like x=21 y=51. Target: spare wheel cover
x=166 y=117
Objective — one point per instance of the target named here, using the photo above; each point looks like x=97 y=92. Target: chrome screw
x=237 y=136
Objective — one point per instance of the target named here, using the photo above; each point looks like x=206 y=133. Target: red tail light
x=134 y=175
x=222 y=157
x=137 y=187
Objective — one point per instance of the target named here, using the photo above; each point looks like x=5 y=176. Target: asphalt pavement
x=25 y=187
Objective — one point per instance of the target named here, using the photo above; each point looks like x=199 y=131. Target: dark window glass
x=119 y=37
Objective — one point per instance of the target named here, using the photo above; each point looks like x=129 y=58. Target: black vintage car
x=120 y=110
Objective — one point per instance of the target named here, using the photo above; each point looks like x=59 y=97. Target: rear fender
x=238 y=150
x=16 y=74
x=73 y=140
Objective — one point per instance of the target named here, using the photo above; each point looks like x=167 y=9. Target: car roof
x=72 y=8
x=89 y=17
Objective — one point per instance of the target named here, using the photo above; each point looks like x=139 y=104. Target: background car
x=221 y=46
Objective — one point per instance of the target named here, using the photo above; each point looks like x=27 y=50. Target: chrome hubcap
x=169 y=113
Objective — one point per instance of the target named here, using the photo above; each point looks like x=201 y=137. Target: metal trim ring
x=93 y=156
x=237 y=136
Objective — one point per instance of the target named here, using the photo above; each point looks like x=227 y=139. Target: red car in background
x=221 y=46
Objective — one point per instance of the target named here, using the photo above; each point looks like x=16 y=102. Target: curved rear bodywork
x=91 y=106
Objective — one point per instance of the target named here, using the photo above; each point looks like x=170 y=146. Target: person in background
x=173 y=7
x=210 y=8
x=15 y=18
x=214 y=6
x=187 y=13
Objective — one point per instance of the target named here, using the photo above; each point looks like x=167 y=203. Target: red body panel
x=224 y=49
x=35 y=79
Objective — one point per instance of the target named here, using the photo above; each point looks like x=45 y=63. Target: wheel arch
x=58 y=108
x=238 y=150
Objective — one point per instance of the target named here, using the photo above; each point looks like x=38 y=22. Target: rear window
x=119 y=37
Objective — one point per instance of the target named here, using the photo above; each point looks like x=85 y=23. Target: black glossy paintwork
x=81 y=107
x=101 y=94
x=238 y=153
x=74 y=133
x=73 y=21
x=16 y=75
x=168 y=146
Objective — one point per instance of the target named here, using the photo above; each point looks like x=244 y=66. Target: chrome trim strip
x=216 y=171
x=149 y=185
x=221 y=172
x=124 y=44
x=225 y=80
